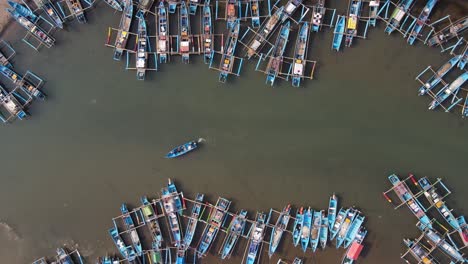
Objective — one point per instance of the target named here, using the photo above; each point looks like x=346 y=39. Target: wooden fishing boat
x=163 y=33
x=318 y=12
x=144 y=6
x=184 y=33
x=278 y=229
x=155 y=255
x=173 y=5
x=151 y=219
x=235 y=230
x=183 y=149
x=256 y=237
x=124 y=27
x=193 y=220
x=11 y=104
x=400 y=11
x=275 y=64
x=437 y=77
x=23 y=11
x=315 y=231
x=323 y=235
x=175 y=194
x=130 y=226
x=126 y=251
x=297 y=228
x=227 y=60
x=353 y=21
x=170 y=209
x=354 y=251
x=436 y=240
x=300 y=53
x=262 y=35
x=373 y=10
x=463 y=230
x=448 y=91
x=291 y=7
x=449 y=32
x=232 y=10
x=353 y=230
x=25 y=85
x=63 y=257
x=53 y=13
x=207 y=36
x=180 y=256
x=420 y=253
x=255 y=13
x=405 y=195
x=32 y=28
x=114 y=4
x=215 y=222
x=77 y=10
x=338 y=221
x=332 y=210
x=305 y=231
x=345 y=226
x=142 y=55
x=421 y=21
x=338 y=33
x=193 y=6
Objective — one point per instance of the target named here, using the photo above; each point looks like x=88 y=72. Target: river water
x=100 y=137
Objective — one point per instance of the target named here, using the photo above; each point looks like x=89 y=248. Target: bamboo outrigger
x=400 y=11
x=421 y=21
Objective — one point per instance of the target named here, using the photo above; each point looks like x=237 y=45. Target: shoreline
x=5 y=18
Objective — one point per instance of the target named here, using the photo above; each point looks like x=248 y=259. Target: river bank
x=4 y=16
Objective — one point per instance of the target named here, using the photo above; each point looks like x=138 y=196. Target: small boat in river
x=124 y=27
x=278 y=229
x=345 y=226
x=51 y=11
x=176 y=196
x=255 y=12
x=436 y=240
x=353 y=230
x=235 y=230
x=256 y=238
x=400 y=11
x=232 y=10
x=323 y=235
x=227 y=60
x=207 y=36
x=332 y=210
x=437 y=76
x=353 y=21
x=151 y=220
x=318 y=13
x=338 y=221
x=297 y=227
x=23 y=11
x=11 y=104
x=77 y=10
x=183 y=149
x=449 y=32
x=184 y=33
x=173 y=6
x=356 y=247
x=421 y=21
x=448 y=91
x=338 y=33
x=114 y=4
x=315 y=231
x=163 y=33
x=419 y=253
x=373 y=10
x=32 y=28
x=265 y=31
x=126 y=251
x=142 y=55
x=463 y=230
x=275 y=64
x=300 y=52
x=130 y=225
x=63 y=257
x=170 y=208
x=24 y=84
x=305 y=231
x=193 y=220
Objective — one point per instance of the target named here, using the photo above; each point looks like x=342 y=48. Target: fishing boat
x=297 y=228
x=355 y=249
x=183 y=149
x=373 y=10
x=173 y=6
x=63 y=257
x=262 y=35
x=114 y=4
x=207 y=36
x=130 y=225
x=436 y=240
x=290 y=7
x=345 y=226
x=315 y=231
x=144 y=6
x=300 y=53
x=463 y=60
x=124 y=27
x=232 y=10
x=420 y=253
x=227 y=60
x=400 y=11
x=163 y=35
x=256 y=237
x=323 y=235
x=421 y=21
x=175 y=194
x=449 y=32
x=275 y=64
x=215 y=221
x=436 y=199
x=353 y=21
x=235 y=230
x=332 y=209
x=23 y=11
x=151 y=220
x=77 y=10
x=193 y=220
x=107 y=260
x=142 y=55
x=255 y=13
x=338 y=221
x=9 y=102
x=170 y=208
x=338 y=33
x=24 y=84
x=353 y=230
x=446 y=92
x=278 y=229
x=318 y=13
x=185 y=37
x=32 y=28
x=180 y=256
x=193 y=5
x=405 y=195
x=463 y=230
x=305 y=231
x=126 y=251
x=437 y=77
x=155 y=255
x=51 y=11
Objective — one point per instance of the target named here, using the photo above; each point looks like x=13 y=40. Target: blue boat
x=332 y=210
x=235 y=230
x=353 y=21
x=264 y=32
x=256 y=237
x=278 y=229
x=315 y=231
x=232 y=12
x=227 y=60
x=207 y=36
x=446 y=92
x=420 y=253
x=338 y=221
x=177 y=199
x=215 y=222
x=11 y=104
x=463 y=230
x=32 y=28
x=183 y=149
x=63 y=257
x=144 y=6
x=449 y=32
x=300 y=52
x=323 y=236
x=305 y=231
x=107 y=260
x=338 y=33
x=421 y=21
x=23 y=11
x=436 y=240
x=400 y=11
x=184 y=33
x=275 y=63
x=318 y=13
x=53 y=13
x=353 y=230
x=180 y=256
x=126 y=251
x=290 y=7
x=298 y=222
x=142 y=55
x=437 y=77
x=162 y=44
x=151 y=219
x=130 y=226
x=255 y=13
x=345 y=226
x=124 y=28
x=24 y=84
x=193 y=220
x=155 y=255
x=373 y=11
x=171 y=210
x=77 y=10
x=114 y=4
x=173 y=6
x=356 y=247
x=193 y=6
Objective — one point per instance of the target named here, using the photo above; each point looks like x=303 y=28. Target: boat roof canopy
x=355 y=250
